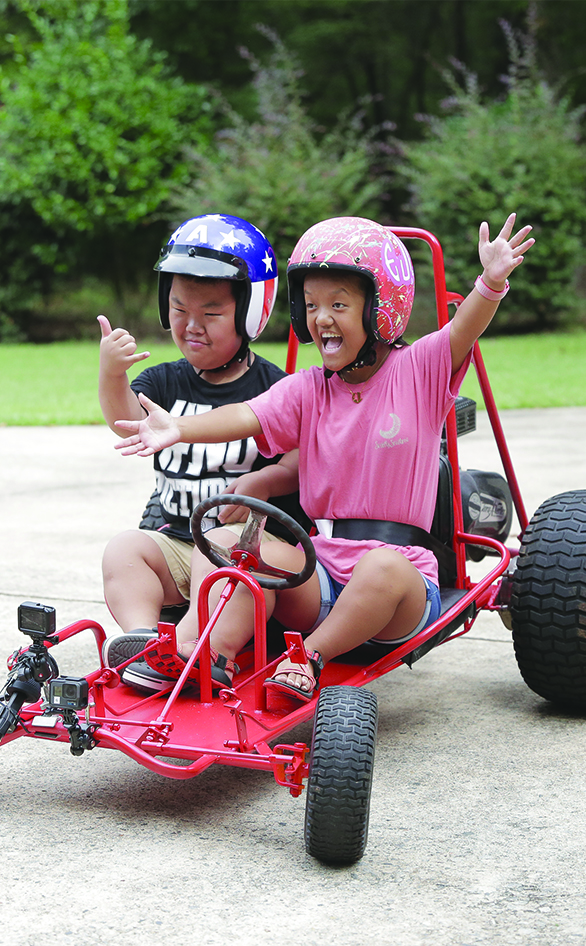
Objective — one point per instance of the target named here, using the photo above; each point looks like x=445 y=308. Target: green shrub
x=277 y=172
x=92 y=128
x=522 y=153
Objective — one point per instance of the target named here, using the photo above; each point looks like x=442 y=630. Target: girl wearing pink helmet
x=368 y=426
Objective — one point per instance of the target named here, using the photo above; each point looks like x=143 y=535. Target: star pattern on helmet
x=268 y=262
x=229 y=239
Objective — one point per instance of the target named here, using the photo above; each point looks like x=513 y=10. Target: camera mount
x=30 y=668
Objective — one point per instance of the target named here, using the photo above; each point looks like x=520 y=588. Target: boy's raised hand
x=118 y=348
x=157 y=431
x=504 y=254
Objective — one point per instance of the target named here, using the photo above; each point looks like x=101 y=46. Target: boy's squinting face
x=201 y=316
x=334 y=303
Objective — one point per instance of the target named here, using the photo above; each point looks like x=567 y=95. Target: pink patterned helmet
x=360 y=246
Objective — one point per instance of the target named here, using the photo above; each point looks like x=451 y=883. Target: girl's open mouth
x=331 y=343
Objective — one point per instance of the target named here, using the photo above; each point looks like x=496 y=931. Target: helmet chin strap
x=365 y=358
x=242 y=353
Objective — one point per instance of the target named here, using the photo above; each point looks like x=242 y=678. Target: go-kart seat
x=370 y=651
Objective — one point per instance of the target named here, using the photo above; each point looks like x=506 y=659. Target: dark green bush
x=486 y=159
x=278 y=172
x=92 y=130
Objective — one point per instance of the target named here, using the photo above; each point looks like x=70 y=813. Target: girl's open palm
x=505 y=253
x=157 y=431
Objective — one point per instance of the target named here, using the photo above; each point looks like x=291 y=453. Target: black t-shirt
x=186 y=474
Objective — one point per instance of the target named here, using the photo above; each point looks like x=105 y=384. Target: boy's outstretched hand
x=157 y=431
x=118 y=348
x=504 y=254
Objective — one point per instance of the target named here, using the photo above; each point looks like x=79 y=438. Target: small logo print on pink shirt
x=390 y=434
x=393 y=429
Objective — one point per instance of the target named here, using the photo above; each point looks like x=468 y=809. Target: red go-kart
x=539 y=590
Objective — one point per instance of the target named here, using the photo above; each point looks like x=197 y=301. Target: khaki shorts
x=178 y=553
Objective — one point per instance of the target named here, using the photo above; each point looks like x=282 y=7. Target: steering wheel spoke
x=251 y=536
x=276 y=572
x=268 y=576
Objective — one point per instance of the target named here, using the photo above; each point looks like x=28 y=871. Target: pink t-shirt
x=376 y=459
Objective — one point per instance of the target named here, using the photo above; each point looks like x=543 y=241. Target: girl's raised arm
x=498 y=259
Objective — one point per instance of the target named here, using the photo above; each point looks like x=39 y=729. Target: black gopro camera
x=36 y=620
x=68 y=693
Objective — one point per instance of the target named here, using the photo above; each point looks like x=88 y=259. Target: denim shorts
x=331 y=589
x=433 y=606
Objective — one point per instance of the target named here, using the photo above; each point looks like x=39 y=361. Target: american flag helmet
x=361 y=246
x=219 y=246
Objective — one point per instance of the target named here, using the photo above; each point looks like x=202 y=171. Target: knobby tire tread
x=548 y=604
x=340 y=777
x=152 y=517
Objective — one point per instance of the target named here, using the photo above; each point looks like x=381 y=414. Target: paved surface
x=477 y=825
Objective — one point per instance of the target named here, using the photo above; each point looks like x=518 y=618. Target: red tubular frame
x=499 y=436
x=235 y=575
x=292 y=349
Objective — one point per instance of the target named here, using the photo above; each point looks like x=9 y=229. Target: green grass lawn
x=57 y=384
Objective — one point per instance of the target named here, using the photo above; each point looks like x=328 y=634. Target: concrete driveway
x=478 y=825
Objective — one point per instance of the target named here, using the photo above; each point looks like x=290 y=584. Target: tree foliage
x=386 y=50
x=99 y=98
x=91 y=126
x=277 y=171
x=522 y=152
x=92 y=115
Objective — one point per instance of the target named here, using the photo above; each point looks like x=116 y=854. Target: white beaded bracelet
x=488 y=293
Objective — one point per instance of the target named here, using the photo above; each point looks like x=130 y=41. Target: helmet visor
x=201 y=261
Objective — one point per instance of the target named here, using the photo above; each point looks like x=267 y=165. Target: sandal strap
x=218 y=660
x=315 y=659
x=296 y=668
x=318 y=663
x=223 y=663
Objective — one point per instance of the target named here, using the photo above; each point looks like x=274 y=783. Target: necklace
x=357 y=393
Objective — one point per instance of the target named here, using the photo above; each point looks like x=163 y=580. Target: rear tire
x=548 y=603
x=340 y=775
x=152 y=517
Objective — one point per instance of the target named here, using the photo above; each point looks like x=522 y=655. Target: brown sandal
x=315 y=659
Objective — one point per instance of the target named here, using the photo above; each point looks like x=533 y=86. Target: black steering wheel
x=267 y=575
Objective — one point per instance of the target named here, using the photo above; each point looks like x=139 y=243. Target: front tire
x=548 y=603
x=340 y=775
